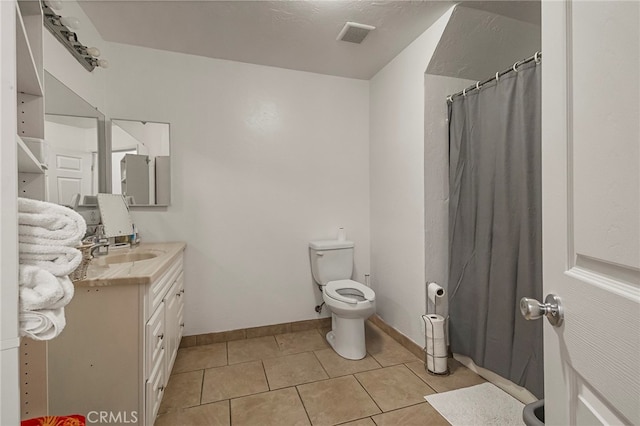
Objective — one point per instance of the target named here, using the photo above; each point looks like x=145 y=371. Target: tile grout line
x=367 y=392
x=202 y=387
x=402 y=408
x=421 y=379
x=355 y=420
x=304 y=407
x=374 y=358
x=264 y=371
x=321 y=365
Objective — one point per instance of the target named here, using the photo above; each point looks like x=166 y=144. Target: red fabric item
x=72 y=420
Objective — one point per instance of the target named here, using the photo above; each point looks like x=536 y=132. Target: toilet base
x=347 y=337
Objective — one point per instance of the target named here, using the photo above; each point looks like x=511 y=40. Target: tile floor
x=297 y=379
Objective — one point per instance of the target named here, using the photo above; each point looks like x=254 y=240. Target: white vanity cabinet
x=117 y=350
x=164 y=309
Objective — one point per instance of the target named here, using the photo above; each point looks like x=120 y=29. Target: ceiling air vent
x=354 y=32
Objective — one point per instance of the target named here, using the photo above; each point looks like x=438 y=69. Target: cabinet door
x=180 y=315
x=155 y=336
x=174 y=300
x=154 y=390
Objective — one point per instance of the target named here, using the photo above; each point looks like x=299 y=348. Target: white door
x=591 y=214
x=69 y=173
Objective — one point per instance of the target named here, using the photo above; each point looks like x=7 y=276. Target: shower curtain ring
x=515 y=67
x=497 y=76
x=536 y=57
x=450 y=99
x=478 y=86
x=464 y=93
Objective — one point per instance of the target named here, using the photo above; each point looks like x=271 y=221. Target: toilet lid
x=349 y=291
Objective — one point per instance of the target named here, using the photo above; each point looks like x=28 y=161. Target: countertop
x=145 y=271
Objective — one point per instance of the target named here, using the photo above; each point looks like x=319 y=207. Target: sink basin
x=125 y=258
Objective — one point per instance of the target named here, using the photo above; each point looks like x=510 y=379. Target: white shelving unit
x=9 y=340
x=27 y=71
x=27 y=162
x=31 y=179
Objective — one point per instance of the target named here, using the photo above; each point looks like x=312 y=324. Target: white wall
x=397 y=184
x=477 y=43
x=71 y=137
x=263 y=160
x=409 y=152
x=436 y=175
x=59 y=62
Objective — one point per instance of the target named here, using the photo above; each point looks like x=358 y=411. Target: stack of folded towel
x=47 y=235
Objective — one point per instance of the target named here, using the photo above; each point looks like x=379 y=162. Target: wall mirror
x=140 y=157
x=75 y=147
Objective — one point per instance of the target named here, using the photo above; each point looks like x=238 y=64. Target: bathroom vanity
x=124 y=326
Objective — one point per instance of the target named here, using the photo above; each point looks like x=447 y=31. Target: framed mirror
x=75 y=147
x=140 y=162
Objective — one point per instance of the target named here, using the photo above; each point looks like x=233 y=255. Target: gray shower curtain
x=495 y=251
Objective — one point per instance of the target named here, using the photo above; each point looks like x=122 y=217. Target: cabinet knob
x=178 y=294
x=161 y=336
x=182 y=291
x=161 y=388
x=182 y=325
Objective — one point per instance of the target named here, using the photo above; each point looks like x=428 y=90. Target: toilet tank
x=331 y=260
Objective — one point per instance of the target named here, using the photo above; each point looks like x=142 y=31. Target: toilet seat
x=349 y=291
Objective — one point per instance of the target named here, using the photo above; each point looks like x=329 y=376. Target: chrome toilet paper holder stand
x=429 y=323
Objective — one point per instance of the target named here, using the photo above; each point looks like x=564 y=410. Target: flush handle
x=319 y=253
x=531 y=309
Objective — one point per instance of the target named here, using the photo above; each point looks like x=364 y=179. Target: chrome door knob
x=551 y=308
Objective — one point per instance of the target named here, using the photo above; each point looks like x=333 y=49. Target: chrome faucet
x=97 y=246
x=100 y=243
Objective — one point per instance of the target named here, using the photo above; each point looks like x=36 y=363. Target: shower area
x=483 y=193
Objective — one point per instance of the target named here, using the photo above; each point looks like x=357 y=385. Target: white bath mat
x=480 y=405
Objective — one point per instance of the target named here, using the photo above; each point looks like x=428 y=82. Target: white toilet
x=349 y=301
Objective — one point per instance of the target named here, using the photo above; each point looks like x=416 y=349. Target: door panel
x=606 y=115
x=66 y=187
x=591 y=213
x=69 y=174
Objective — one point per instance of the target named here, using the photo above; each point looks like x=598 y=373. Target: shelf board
x=26 y=71
x=30 y=7
x=27 y=162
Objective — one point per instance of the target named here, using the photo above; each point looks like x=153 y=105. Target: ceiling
x=298 y=35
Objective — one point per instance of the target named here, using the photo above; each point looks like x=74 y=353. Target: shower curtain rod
x=537 y=57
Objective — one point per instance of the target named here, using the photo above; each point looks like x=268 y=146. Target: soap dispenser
x=135 y=237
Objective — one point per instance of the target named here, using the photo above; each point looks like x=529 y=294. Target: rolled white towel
x=59 y=260
x=40 y=222
x=68 y=289
x=44 y=324
x=38 y=288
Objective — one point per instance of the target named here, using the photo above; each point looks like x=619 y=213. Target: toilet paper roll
x=434 y=326
x=435 y=293
x=342 y=234
x=436 y=365
x=436 y=347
